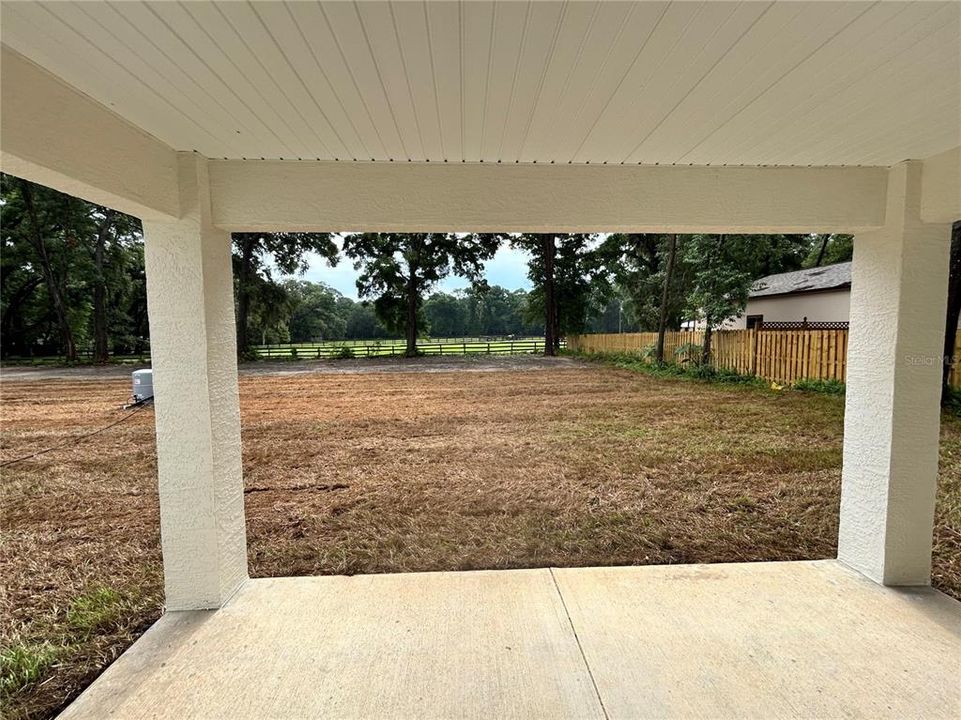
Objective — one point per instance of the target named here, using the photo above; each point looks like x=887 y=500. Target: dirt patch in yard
x=408 y=471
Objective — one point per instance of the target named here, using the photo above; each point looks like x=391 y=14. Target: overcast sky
x=508 y=268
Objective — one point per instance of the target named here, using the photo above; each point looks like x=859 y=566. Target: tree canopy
x=256 y=256
x=71 y=274
x=397 y=270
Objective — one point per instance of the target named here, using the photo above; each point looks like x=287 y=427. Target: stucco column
x=193 y=352
x=892 y=415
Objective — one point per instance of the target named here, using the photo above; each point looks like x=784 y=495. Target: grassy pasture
x=333 y=349
x=363 y=472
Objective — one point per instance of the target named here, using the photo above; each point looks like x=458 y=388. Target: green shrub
x=952 y=402
x=685 y=371
x=830 y=387
x=649 y=352
x=344 y=352
x=703 y=372
x=689 y=353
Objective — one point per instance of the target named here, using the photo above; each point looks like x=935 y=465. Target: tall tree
x=828 y=249
x=446 y=315
x=316 y=313
x=256 y=255
x=101 y=344
x=563 y=272
x=635 y=264
x=111 y=233
x=548 y=248
x=79 y=280
x=399 y=269
x=723 y=273
x=37 y=227
x=665 y=296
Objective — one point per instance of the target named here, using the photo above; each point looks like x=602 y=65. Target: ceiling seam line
x=410 y=91
x=269 y=74
x=333 y=89
x=487 y=82
x=80 y=8
x=383 y=87
x=912 y=66
x=150 y=90
x=241 y=73
x=190 y=77
x=300 y=79
x=778 y=80
x=460 y=70
x=433 y=80
x=664 y=57
x=600 y=70
x=620 y=82
x=240 y=36
x=517 y=64
x=353 y=79
x=700 y=80
x=580 y=51
x=847 y=83
x=543 y=78
x=903 y=123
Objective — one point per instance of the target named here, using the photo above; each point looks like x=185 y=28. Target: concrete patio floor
x=800 y=639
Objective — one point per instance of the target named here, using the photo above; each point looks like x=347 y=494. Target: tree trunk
x=551 y=340
x=411 y=324
x=665 y=295
x=101 y=345
x=16 y=300
x=709 y=322
x=557 y=324
x=954 y=308
x=53 y=286
x=706 y=347
x=243 y=296
x=824 y=246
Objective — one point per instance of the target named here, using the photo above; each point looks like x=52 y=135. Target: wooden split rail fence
x=467 y=346
x=352 y=349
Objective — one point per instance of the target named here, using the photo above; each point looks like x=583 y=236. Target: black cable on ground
x=70 y=441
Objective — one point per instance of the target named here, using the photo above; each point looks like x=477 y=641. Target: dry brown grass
x=414 y=471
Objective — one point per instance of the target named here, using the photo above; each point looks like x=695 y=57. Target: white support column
x=193 y=350
x=892 y=416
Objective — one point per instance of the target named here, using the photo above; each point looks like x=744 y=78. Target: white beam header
x=423 y=197
x=54 y=135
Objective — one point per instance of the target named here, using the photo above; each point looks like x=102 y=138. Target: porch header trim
x=274 y=195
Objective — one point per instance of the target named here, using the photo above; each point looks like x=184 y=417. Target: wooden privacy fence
x=782 y=356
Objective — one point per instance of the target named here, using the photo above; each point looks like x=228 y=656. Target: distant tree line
x=72 y=276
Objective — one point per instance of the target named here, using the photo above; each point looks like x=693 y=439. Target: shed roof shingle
x=828 y=277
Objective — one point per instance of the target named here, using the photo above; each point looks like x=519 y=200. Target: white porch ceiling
x=820 y=83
